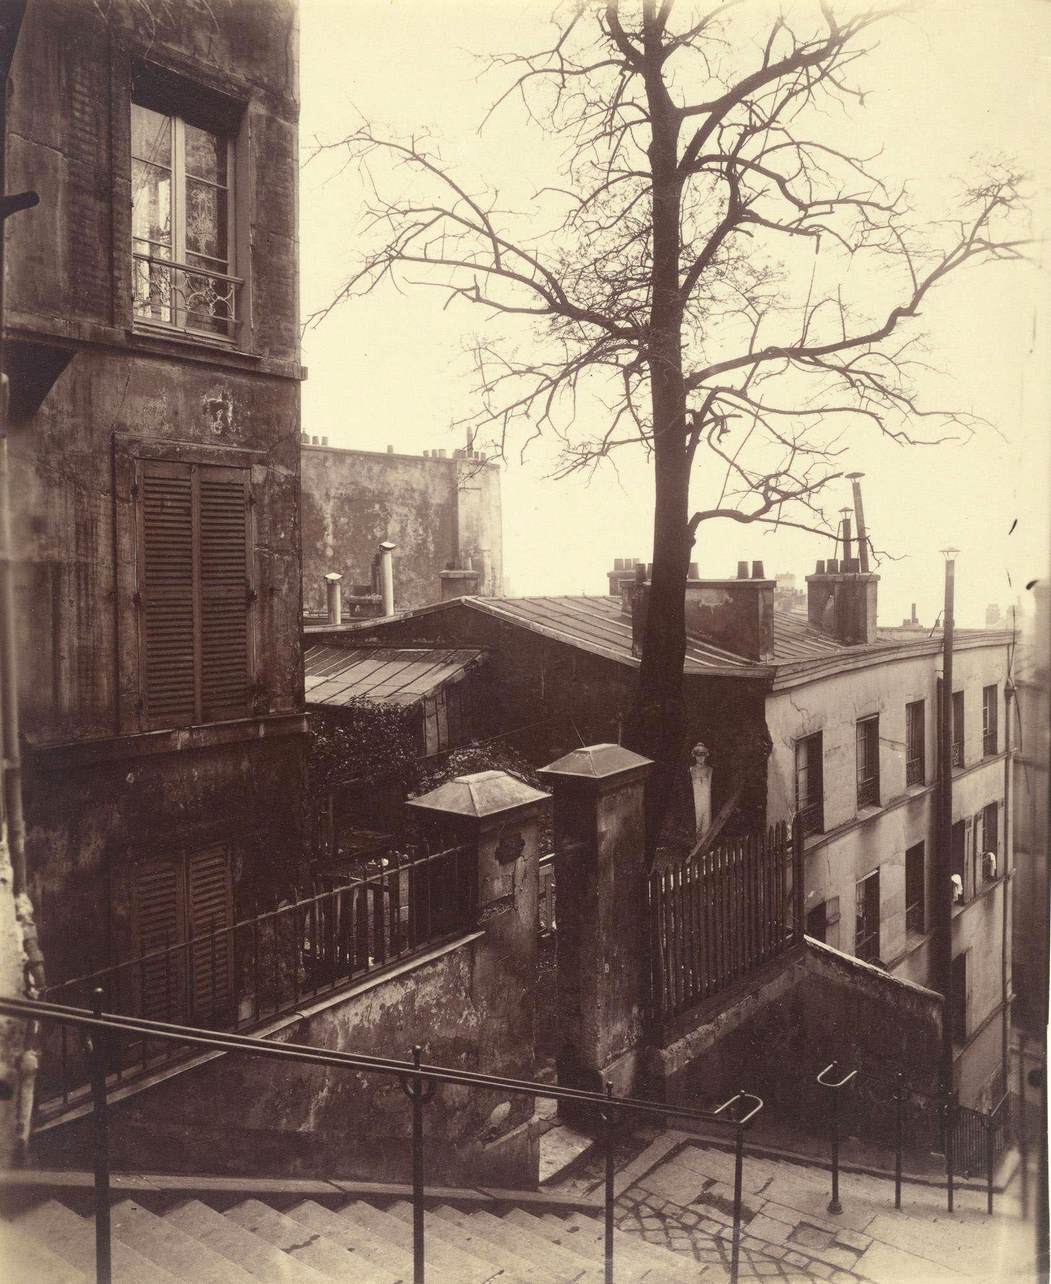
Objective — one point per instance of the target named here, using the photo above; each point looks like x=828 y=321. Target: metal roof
x=385 y=675
x=598 y=625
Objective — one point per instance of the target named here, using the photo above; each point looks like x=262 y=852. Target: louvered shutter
x=210 y=908
x=168 y=619
x=159 y=924
x=224 y=593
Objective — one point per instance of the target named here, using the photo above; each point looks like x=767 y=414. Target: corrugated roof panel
x=387 y=675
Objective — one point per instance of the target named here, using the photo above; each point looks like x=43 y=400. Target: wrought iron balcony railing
x=182 y=296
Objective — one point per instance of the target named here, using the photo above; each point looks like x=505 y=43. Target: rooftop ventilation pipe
x=387 y=576
x=333 y=597
x=859 y=516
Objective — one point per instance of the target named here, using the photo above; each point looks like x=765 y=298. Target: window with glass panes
x=915 y=767
x=810 y=784
x=868 y=762
x=989 y=720
x=182 y=223
x=915 y=888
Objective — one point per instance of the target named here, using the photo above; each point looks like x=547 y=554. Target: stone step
x=445 y=1261
x=310 y=1247
x=161 y=1241
x=255 y=1255
x=24 y=1257
x=525 y=1244
x=72 y=1237
x=627 y=1255
x=440 y=1225
x=356 y=1238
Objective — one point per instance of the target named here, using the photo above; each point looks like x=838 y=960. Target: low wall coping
x=851 y=962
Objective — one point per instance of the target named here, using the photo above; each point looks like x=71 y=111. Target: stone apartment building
x=152 y=346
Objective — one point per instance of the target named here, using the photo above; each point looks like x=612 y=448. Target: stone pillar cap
x=482 y=794
x=597 y=763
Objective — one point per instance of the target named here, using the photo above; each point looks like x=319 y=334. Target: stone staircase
x=364 y=1241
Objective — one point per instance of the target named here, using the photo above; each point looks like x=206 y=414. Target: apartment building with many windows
x=151 y=341
x=854 y=754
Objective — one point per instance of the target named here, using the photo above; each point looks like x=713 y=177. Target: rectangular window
x=957 y=728
x=866 y=918
x=822 y=922
x=810 y=784
x=958 y=998
x=184 y=901
x=195 y=593
x=989 y=707
x=915 y=889
x=182 y=223
x=915 y=731
x=868 y=762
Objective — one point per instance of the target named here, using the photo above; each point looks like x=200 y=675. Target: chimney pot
x=742 y=570
x=618 y=563
x=692 y=574
x=305 y=438
x=757 y=571
x=390 y=450
x=313 y=441
x=441 y=454
x=832 y=566
x=324 y=441
x=819 y=568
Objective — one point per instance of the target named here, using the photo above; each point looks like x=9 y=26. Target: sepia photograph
x=525 y=543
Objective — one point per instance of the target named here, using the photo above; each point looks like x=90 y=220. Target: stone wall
x=440 y=512
x=774 y=1034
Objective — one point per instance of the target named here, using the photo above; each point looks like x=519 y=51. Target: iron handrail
x=831 y=1066
x=418 y=1080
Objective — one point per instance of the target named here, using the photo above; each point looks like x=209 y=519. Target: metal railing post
x=834 y=1206
x=735 y=1243
x=103 y=1255
x=989 y=1163
x=417 y=1172
x=607 y=1118
x=950 y=1125
x=1023 y=1134
x=899 y=1136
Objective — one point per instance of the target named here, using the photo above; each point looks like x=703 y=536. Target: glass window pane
x=151 y=136
x=152 y=285
x=205 y=220
x=151 y=203
x=205 y=155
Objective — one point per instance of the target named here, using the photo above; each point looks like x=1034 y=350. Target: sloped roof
x=385 y=675
x=598 y=625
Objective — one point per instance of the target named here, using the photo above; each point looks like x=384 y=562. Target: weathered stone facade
x=443 y=514
x=103 y=384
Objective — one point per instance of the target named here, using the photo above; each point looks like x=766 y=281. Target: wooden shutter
x=210 y=913
x=159 y=924
x=224 y=593
x=167 y=578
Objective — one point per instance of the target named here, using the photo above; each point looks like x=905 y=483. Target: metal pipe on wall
x=387 y=575
x=943 y=865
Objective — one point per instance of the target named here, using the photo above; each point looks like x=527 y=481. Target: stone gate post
x=498 y=817
x=600 y=898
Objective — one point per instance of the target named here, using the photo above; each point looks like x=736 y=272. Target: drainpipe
x=387 y=575
x=943 y=868
x=1005 y=953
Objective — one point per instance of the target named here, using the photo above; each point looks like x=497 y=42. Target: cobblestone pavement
x=678 y=1193
x=708 y=1240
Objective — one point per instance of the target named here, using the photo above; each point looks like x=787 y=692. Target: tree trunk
x=656 y=727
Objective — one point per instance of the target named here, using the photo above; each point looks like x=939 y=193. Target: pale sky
x=952 y=82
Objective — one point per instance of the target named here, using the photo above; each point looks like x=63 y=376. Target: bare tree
x=669 y=288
